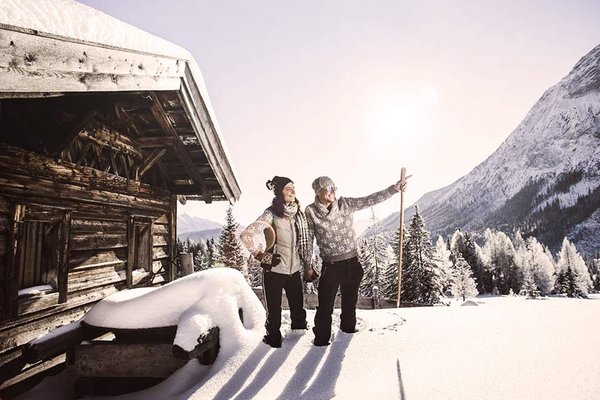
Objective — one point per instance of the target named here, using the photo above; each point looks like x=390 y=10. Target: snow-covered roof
x=53 y=47
x=74 y=20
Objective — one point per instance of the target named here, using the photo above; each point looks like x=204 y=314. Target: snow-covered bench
x=138 y=337
x=112 y=361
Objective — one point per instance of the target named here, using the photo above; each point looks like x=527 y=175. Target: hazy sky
x=357 y=89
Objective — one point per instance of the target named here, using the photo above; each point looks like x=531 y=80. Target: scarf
x=304 y=246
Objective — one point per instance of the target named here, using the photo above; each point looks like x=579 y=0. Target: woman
x=283 y=262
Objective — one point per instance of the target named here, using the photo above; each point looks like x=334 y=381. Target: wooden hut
x=99 y=139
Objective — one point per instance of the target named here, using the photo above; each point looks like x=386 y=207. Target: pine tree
x=255 y=272
x=596 y=272
x=499 y=257
x=530 y=289
x=367 y=260
x=390 y=287
x=444 y=264
x=212 y=254
x=421 y=278
x=229 y=246
x=573 y=278
x=532 y=258
x=463 y=284
x=375 y=256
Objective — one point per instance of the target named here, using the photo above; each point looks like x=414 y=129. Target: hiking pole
x=402 y=178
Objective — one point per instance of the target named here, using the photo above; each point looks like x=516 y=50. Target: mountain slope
x=544 y=179
x=188 y=223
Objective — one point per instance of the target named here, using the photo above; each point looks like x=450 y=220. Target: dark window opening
x=37 y=254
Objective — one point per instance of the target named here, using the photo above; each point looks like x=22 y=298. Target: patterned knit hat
x=277 y=184
x=321 y=183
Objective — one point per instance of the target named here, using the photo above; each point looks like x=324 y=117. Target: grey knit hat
x=321 y=183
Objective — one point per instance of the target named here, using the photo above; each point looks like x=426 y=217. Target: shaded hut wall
x=100 y=207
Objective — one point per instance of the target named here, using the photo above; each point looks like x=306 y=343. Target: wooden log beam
x=163 y=120
x=57 y=344
x=152 y=142
x=123 y=112
x=73 y=130
x=27 y=175
x=201 y=121
x=11 y=279
x=63 y=256
x=150 y=161
x=101 y=359
x=35 y=62
x=206 y=350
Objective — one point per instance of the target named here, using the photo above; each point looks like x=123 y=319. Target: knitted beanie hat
x=321 y=183
x=277 y=184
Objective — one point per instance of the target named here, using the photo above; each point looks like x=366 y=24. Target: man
x=331 y=222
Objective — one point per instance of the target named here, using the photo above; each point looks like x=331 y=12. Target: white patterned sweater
x=333 y=227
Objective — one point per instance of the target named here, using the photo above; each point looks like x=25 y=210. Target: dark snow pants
x=273 y=284
x=345 y=275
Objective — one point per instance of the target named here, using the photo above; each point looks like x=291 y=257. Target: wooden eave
x=157 y=96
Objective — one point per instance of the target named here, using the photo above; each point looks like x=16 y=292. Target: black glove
x=269 y=260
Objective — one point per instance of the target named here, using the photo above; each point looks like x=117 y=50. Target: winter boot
x=320 y=341
x=273 y=340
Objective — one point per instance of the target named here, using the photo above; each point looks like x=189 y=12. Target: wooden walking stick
x=402 y=178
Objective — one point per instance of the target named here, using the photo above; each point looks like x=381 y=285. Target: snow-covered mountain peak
x=550 y=164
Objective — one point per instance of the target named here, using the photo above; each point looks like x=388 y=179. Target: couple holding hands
x=330 y=221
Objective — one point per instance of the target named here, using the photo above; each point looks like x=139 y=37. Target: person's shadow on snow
x=324 y=384
x=268 y=369
x=243 y=372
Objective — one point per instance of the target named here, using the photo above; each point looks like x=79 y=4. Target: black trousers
x=273 y=284
x=345 y=275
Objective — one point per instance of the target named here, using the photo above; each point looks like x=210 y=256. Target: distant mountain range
x=196 y=228
x=544 y=179
x=187 y=223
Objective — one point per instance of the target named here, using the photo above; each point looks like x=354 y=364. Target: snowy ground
x=506 y=348
x=503 y=348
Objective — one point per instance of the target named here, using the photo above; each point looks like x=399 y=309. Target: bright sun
x=404 y=113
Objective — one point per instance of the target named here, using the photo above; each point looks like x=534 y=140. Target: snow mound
x=194 y=304
x=470 y=303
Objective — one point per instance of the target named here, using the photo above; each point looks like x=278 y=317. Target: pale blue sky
x=355 y=89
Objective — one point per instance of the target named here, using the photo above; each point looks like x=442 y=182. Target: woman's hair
x=278 y=206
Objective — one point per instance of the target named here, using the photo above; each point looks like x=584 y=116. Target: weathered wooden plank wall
x=99 y=206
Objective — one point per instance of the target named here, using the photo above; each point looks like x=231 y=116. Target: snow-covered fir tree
x=201 y=256
x=229 y=246
x=595 y=272
x=499 y=257
x=441 y=255
x=572 y=278
x=463 y=283
x=212 y=253
x=389 y=289
x=421 y=281
x=255 y=272
x=533 y=259
x=530 y=289
x=374 y=256
x=462 y=243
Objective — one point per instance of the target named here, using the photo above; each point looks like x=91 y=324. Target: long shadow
x=238 y=379
x=269 y=368
x=323 y=387
x=297 y=383
x=400 y=384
